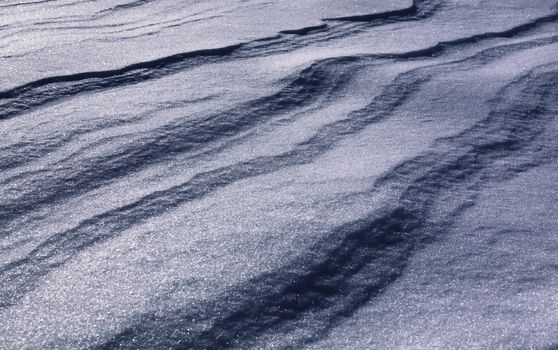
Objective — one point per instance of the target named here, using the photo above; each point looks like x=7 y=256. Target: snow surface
x=279 y=174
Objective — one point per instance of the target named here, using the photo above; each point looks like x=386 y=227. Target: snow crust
x=278 y=174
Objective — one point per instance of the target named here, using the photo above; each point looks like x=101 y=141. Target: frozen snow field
x=312 y=174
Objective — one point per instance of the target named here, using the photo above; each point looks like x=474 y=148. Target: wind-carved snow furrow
x=445 y=46
x=419 y=10
x=85 y=22
x=128 y=5
x=286 y=296
x=288 y=102
x=24 y=273
x=20 y=276
x=25 y=152
x=35 y=94
x=299 y=303
x=334 y=28
x=305 y=88
x=180 y=137
x=417 y=7
x=21 y=99
x=269 y=218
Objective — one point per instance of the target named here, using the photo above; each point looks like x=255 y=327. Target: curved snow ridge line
x=445 y=46
x=21 y=275
x=30 y=26
x=128 y=5
x=315 y=296
x=408 y=11
x=116 y=221
x=428 y=8
x=321 y=33
x=343 y=127
x=305 y=30
x=41 y=27
x=34 y=94
x=24 y=152
x=405 y=225
x=29 y=3
x=419 y=9
x=54 y=186
x=26 y=97
x=32 y=3
x=156 y=203
x=274 y=302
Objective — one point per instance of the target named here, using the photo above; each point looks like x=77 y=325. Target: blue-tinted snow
x=278 y=174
